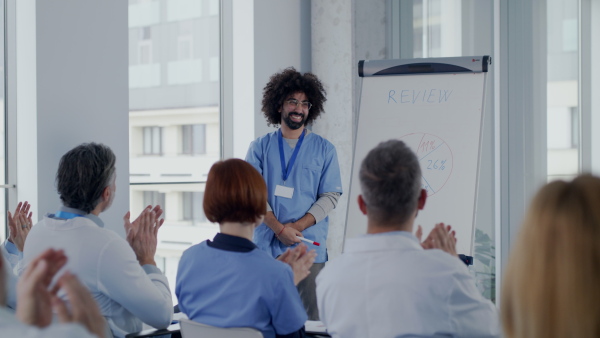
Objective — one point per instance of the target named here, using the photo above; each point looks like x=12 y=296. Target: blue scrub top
x=226 y=285
x=316 y=171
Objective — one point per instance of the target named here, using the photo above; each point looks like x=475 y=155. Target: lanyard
x=285 y=172
x=66 y=215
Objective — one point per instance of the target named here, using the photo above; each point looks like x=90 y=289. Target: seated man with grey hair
x=120 y=273
x=387 y=283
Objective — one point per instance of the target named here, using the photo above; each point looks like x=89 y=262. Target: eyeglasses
x=294 y=103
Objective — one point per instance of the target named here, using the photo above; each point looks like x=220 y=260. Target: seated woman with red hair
x=229 y=282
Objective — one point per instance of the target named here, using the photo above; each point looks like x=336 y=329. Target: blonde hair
x=552 y=282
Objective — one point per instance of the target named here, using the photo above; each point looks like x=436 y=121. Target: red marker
x=308 y=241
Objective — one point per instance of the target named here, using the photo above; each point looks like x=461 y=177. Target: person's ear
x=106 y=194
x=422 y=199
x=362 y=205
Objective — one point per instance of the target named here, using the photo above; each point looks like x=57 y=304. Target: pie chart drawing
x=435 y=157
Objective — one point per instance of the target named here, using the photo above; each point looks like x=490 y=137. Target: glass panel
x=2 y=126
x=199 y=137
x=174 y=95
x=459 y=28
x=563 y=91
x=186 y=139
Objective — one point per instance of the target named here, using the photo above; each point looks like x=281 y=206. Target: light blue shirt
x=238 y=289
x=316 y=171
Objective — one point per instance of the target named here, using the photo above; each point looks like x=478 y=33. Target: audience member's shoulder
x=443 y=260
x=267 y=264
x=193 y=250
x=336 y=268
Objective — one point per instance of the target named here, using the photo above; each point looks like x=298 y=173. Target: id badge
x=283 y=191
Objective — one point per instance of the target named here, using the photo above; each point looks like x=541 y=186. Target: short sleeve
x=255 y=156
x=330 y=179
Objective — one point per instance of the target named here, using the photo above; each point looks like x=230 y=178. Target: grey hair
x=83 y=174
x=390 y=180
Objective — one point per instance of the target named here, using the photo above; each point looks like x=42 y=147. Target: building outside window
x=145 y=46
x=191 y=203
x=563 y=89
x=193 y=139
x=152 y=141
x=174 y=96
x=154 y=198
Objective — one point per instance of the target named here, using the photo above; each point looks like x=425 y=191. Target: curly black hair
x=288 y=82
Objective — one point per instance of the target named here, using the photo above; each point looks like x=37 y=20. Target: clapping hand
x=36 y=300
x=33 y=298
x=142 y=234
x=20 y=224
x=300 y=259
x=441 y=237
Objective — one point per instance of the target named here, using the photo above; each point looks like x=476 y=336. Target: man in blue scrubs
x=301 y=171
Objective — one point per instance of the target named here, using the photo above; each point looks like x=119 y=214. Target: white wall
x=281 y=40
x=82 y=91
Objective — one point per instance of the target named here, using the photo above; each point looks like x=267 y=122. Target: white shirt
x=126 y=293
x=10 y=261
x=387 y=285
x=10 y=326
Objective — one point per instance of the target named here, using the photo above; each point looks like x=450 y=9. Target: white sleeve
x=11 y=278
x=11 y=253
x=471 y=314
x=142 y=291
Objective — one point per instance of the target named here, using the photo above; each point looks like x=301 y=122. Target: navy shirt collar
x=231 y=243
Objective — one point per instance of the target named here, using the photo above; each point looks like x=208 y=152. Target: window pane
x=147 y=140
x=186 y=139
x=173 y=86
x=563 y=91
x=199 y=139
x=2 y=126
x=156 y=140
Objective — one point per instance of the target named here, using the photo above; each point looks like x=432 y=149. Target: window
x=152 y=140
x=145 y=47
x=193 y=139
x=154 y=198
x=563 y=89
x=185 y=41
x=3 y=132
x=174 y=115
x=191 y=203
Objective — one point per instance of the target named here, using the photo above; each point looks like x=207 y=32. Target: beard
x=293 y=125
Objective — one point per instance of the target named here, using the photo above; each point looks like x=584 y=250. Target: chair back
x=192 y=329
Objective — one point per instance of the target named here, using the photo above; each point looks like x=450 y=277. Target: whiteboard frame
x=424 y=66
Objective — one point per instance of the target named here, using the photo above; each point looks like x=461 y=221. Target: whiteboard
x=439 y=116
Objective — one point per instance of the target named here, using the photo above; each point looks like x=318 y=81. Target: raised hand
x=33 y=297
x=441 y=237
x=19 y=224
x=142 y=234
